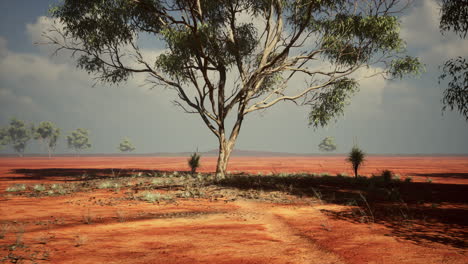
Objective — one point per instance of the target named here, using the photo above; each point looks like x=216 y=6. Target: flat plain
x=269 y=210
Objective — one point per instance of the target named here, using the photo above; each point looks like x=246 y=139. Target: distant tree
x=126 y=146
x=47 y=133
x=454 y=17
x=356 y=157
x=17 y=134
x=3 y=137
x=194 y=162
x=208 y=44
x=328 y=144
x=79 y=140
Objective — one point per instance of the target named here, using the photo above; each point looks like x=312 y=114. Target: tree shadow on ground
x=76 y=174
x=444 y=175
x=412 y=210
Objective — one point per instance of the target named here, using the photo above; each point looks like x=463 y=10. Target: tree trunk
x=225 y=149
x=355 y=172
x=223 y=159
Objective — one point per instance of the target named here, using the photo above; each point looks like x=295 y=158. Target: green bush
x=194 y=162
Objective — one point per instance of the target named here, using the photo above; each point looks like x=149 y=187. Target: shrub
x=194 y=162
x=387 y=175
x=429 y=180
x=409 y=179
x=356 y=157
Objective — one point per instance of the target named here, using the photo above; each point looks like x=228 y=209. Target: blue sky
x=385 y=116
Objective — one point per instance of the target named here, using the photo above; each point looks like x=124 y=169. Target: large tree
x=47 y=133
x=263 y=45
x=454 y=17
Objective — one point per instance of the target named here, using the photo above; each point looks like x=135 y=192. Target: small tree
x=47 y=133
x=194 y=162
x=356 y=158
x=328 y=144
x=79 y=140
x=126 y=145
x=16 y=134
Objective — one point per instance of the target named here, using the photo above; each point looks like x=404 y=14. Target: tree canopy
x=307 y=52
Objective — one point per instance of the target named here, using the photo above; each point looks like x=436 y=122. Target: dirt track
x=102 y=227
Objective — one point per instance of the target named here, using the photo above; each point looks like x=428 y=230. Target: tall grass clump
x=194 y=162
x=356 y=157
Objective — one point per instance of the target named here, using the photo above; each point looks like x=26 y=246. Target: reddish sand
x=92 y=228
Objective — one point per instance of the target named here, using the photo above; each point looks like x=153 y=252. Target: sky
x=384 y=117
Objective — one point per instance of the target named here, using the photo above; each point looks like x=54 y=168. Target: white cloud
x=421 y=25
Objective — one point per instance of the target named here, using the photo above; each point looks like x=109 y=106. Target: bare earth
x=104 y=226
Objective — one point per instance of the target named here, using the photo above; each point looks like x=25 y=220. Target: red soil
x=203 y=231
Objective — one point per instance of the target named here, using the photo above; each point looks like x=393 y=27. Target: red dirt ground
x=204 y=231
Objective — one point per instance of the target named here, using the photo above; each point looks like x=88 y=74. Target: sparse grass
x=19 y=234
x=88 y=218
x=108 y=185
x=121 y=217
x=154 y=197
x=16 y=188
x=39 y=188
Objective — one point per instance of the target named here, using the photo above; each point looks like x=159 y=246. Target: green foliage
x=327 y=144
x=126 y=146
x=405 y=66
x=16 y=134
x=344 y=35
x=194 y=162
x=456 y=95
x=330 y=103
x=79 y=140
x=48 y=133
x=356 y=157
x=454 y=17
